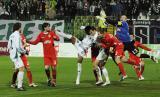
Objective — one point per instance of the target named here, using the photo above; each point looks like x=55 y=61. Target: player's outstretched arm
x=68 y=36
x=34 y=42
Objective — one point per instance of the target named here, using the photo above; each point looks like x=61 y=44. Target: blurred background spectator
x=54 y=9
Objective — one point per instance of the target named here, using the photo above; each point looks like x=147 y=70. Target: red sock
x=54 y=75
x=95 y=74
x=29 y=76
x=121 y=68
x=137 y=72
x=142 y=69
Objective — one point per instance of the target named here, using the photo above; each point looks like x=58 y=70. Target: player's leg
x=154 y=59
x=54 y=71
x=79 y=69
x=142 y=66
x=19 y=65
x=105 y=73
x=14 y=78
x=101 y=56
x=28 y=71
x=135 y=61
x=47 y=62
x=94 y=71
x=119 y=54
x=29 y=76
x=54 y=75
x=94 y=54
x=98 y=71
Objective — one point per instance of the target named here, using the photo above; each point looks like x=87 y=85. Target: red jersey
x=110 y=41
x=48 y=43
x=23 y=39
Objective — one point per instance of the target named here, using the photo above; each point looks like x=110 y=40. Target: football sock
x=14 y=77
x=142 y=69
x=54 y=75
x=137 y=71
x=121 y=68
x=105 y=73
x=20 y=78
x=48 y=73
x=98 y=70
x=29 y=76
x=95 y=74
x=79 y=71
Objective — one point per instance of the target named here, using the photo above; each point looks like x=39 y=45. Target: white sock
x=105 y=73
x=79 y=69
x=20 y=78
x=99 y=74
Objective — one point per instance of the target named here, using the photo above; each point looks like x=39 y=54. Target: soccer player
x=15 y=48
x=26 y=65
x=137 y=44
x=47 y=37
x=83 y=46
x=108 y=41
x=122 y=32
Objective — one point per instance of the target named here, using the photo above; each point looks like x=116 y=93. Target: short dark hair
x=16 y=26
x=44 y=25
x=88 y=28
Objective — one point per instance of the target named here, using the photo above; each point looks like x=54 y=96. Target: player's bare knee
x=117 y=59
x=21 y=69
x=46 y=67
x=80 y=59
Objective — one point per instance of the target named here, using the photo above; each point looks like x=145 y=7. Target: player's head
x=123 y=18
x=46 y=27
x=17 y=27
x=90 y=30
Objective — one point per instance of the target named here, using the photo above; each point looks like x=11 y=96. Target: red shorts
x=51 y=61
x=119 y=50
x=25 y=60
x=135 y=59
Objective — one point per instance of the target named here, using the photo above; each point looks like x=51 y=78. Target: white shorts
x=79 y=47
x=17 y=62
x=101 y=55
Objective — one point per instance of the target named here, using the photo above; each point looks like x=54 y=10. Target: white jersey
x=15 y=45
x=89 y=40
x=85 y=44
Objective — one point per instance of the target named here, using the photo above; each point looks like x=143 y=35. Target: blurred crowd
x=51 y=9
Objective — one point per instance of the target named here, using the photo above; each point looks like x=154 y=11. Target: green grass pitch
x=66 y=87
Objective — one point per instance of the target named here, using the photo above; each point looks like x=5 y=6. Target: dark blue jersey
x=123 y=35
